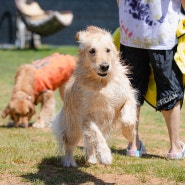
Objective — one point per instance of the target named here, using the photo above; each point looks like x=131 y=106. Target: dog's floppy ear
x=80 y=36
x=5 y=112
x=77 y=36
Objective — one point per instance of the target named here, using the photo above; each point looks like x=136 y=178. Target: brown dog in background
x=35 y=83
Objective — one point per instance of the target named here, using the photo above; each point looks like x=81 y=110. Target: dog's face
x=98 y=50
x=20 y=111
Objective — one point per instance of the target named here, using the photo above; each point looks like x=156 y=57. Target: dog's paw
x=92 y=159
x=70 y=164
x=106 y=159
x=105 y=156
x=69 y=160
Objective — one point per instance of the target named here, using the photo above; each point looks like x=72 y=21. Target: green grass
x=30 y=156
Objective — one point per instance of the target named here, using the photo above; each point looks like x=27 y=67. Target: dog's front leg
x=95 y=144
x=61 y=91
x=128 y=118
x=47 y=111
x=128 y=111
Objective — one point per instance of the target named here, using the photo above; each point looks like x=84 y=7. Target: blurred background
x=102 y=13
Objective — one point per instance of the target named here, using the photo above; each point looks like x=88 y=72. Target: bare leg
x=136 y=144
x=172 y=118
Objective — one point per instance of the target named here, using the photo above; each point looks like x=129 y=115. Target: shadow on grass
x=51 y=173
x=12 y=125
x=147 y=156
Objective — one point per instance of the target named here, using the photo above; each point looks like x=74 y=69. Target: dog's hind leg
x=69 y=158
x=71 y=139
x=96 y=145
x=67 y=137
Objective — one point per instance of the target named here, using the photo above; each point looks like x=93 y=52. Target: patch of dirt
x=8 y=179
x=105 y=179
x=127 y=179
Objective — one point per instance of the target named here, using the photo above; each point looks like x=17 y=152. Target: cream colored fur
x=96 y=96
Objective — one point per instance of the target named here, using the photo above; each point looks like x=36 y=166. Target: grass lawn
x=30 y=156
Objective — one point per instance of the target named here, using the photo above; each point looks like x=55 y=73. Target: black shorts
x=168 y=77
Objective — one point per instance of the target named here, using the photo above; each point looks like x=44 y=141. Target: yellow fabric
x=151 y=94
x=116 y=38
x=180 y=54
x=179 y=58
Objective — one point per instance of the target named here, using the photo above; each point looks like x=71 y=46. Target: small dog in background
x=95 y=97
x=35 y=83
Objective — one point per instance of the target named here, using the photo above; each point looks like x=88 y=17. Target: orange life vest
x=52 y=72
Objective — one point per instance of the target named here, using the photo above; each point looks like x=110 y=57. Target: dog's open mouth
x=102 y=74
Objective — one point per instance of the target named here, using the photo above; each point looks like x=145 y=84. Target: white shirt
x=149 y=24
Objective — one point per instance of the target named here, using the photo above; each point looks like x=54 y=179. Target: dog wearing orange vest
x=35 y=83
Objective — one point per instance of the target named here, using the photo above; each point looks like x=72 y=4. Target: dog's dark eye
x=108 y=50
x=92 y=51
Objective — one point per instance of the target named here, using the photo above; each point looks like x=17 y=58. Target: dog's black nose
x=104 y=66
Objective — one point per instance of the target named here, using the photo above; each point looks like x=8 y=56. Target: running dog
x=96 y=96
x=35 y=83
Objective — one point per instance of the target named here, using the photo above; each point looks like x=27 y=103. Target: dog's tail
x=58 y=129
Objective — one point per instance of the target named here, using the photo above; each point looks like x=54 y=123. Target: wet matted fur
x=96 y=96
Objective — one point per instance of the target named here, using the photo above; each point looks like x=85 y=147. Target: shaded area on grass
x=50 y=172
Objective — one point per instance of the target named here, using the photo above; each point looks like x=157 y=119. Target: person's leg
x=132 y=146
x=138 y=61
x=170 y=94
x=172 y=118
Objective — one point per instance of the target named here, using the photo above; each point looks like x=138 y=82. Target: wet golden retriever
x=96 y=96
x=35 y=83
